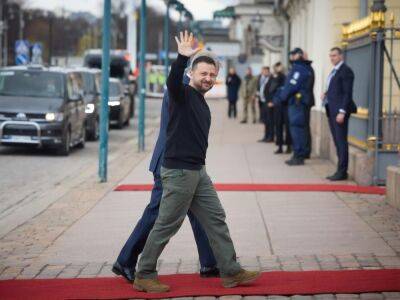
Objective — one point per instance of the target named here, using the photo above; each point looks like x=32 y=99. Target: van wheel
x=128 y=120
x=94 y=134
x=120 y=123
x=66 y=144
x=81 y=143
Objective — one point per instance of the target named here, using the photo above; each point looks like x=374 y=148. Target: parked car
x=91 y=95
x=120 y=68
x=42 y=107
x=118 y=103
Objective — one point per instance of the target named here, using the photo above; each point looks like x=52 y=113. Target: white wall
x=311 y=31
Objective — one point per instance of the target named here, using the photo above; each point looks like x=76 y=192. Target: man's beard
x=202 y=89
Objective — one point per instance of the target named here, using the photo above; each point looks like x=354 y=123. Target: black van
x=119 y=68
x=91 y=90
x=42 y=107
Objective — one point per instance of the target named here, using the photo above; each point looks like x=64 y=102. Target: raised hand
x=185 y=44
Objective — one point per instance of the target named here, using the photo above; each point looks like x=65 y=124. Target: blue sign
x=161 y=54
x=21 y=52
x=37 y=53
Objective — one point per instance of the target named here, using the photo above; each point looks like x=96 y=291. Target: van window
x=31 y=84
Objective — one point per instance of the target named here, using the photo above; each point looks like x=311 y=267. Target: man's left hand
x=270 y=104
x=340 y=118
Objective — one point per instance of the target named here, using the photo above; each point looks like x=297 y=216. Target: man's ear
x=191 y=73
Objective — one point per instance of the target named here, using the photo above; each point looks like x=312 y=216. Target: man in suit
x=232 y=82
x=281 y=118
x=128 y=257
x=339 y=105
x=266 y=112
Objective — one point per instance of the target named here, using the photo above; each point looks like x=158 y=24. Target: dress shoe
x=288 y=150
x=127 y=273
x=150 y=285
x=207 y=272
x=308 y=156
x=254 y=121
x=279 y=151
x=339 y=177
x=264 y=140
x=243 y=122
x=296 y=161
x=241 y=278
x=331 y=176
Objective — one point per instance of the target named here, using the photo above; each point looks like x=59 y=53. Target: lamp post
x=257 y=22
x=142 y=74
x=180 y=8
x=105 y=74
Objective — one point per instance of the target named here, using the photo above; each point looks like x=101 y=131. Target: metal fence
x=372 y=49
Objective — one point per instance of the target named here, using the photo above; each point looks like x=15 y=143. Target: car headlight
x=114 y=103
x=51 y=117
x=89 y=108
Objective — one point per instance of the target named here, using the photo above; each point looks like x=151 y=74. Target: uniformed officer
x=297 y=94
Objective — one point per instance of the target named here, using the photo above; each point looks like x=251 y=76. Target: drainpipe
x=363 y=8
x=285 y=19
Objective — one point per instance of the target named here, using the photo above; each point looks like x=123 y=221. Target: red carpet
x=257 y=187
x=276 y=283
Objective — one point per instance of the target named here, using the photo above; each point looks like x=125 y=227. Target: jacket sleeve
x=175 y=78
x=348 y=80
x=292 y=85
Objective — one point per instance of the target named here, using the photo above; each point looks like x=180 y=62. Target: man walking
x=248 y=94
x=185 y=181
x=127 y=259
x=296 y=92
x=233 y=83
x=339 y=105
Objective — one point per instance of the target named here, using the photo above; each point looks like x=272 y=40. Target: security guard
x=297 y=94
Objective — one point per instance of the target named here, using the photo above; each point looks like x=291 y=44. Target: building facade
x=318 y=25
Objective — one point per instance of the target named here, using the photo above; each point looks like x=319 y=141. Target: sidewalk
x=270 y=230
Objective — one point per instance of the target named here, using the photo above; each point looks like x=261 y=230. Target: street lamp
x=142 y=74
x=180 y=8
x=257 y=22
x=182 y=12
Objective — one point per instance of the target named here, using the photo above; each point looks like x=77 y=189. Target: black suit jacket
x=340 y=91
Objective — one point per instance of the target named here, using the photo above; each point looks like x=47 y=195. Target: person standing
x=281 y=118
x=248 y=94
x=233 y=82
x=310 y=86
x=125 y=264
x=339 y=105
x=296 y=92
x=186 y=183
x=264 y=82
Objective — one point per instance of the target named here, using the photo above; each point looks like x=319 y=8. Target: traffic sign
x=21 y=52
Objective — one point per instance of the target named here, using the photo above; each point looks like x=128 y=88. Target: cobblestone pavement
x=20 y=249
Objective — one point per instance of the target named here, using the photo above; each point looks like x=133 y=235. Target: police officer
x=296 y=93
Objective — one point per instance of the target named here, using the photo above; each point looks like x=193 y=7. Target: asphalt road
x=32 y=179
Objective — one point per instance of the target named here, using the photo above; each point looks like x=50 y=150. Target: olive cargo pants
x=184 y=190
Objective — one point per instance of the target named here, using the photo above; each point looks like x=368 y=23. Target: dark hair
x=339 y=50
x=265 y=68
x=204 y=59
x=278 y=64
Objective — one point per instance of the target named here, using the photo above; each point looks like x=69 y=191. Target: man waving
x=184 y=178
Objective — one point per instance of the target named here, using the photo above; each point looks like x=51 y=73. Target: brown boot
x=241 y=278
x=150 y=285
